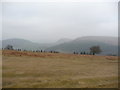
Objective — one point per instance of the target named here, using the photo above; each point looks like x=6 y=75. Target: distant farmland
x=57 y=70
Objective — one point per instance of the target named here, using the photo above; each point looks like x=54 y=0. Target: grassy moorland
x=56 y=70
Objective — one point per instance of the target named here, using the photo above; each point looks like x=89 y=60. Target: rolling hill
x=62 y=40
x=109 y=45
x=23 y=44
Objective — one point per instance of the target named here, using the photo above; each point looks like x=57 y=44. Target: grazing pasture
x=23 y=69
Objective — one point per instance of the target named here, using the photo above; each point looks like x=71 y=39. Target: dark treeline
x=10 y=47
x=84 y=53
x=93 y=50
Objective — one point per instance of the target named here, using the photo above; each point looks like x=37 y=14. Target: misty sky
x=51 y=21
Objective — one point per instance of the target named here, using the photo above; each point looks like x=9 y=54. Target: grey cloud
x=47 y=22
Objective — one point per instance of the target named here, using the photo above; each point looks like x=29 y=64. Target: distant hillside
x=109 y=45
x=104 y=39
x=63 y=40
x=28 y=45
x=23 y=44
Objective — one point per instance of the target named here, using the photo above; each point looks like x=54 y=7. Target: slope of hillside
x=63 y=40
x=23 y=44
x=108 y=45
x=104 y=39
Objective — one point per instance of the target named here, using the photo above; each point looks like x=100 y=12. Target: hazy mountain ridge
x=109 y=45
x=63 y=40
x=105 y=39
x=23 y=44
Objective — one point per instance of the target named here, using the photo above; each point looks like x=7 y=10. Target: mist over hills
x=109 y=45
x=105 y=39
x=63 y=40
x=23 y=44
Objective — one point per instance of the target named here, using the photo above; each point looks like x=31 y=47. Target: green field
x=56 y=70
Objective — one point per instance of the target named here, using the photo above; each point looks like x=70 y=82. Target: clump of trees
x=9 y=47
x=79 y=53
x=75 y=52
x=95 y=50
x=53 y=51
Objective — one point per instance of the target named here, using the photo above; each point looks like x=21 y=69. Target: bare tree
x=95 y=50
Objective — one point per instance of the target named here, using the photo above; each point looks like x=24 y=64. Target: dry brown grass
x=56 y=70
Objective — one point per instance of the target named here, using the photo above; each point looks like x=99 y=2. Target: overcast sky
x=51 y=21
